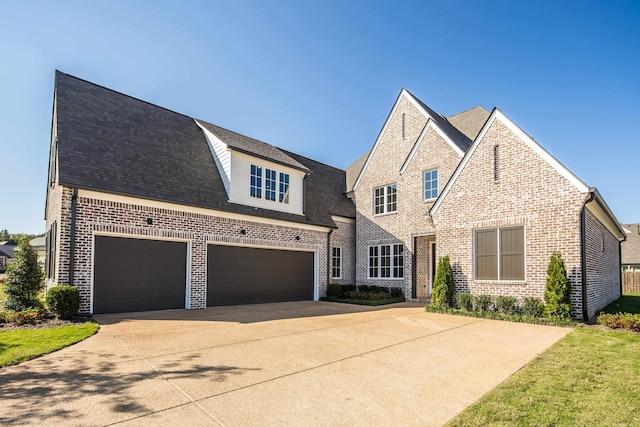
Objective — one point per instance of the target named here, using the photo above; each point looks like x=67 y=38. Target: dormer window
x=274 y=189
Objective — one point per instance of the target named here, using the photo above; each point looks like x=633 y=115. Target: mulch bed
x=45 y=323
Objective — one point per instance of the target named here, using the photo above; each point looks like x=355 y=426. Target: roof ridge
x=121 y=93
x=237 y=133
x=309 y=158
x=468 y=109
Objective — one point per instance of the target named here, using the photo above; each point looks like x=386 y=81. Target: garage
x=138 y=275
x=242 y=275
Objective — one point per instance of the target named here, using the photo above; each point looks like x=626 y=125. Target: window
x=270 y=185
x=284 y=188
x=385 y=199
x=50 y=262
x=256 y=181
x=431 y=184
x=336 y=262
x=499 y=254
x=386 y=261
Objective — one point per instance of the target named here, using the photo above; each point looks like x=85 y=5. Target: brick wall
x=383 y=168
x=528 y=192
x=126 y=219
x=603 y=265
x=345 y=237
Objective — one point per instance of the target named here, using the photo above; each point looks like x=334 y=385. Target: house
x=7 y=250
x=476 y=187
x=150 y=209
x=631 y=248
x=39 y=244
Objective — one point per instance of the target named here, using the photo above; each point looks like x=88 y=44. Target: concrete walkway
x=303 y=363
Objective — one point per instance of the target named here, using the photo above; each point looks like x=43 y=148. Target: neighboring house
x=631 y=248
x=477 y=188
x=39 y=244
x=150 y=209
x=7 y=250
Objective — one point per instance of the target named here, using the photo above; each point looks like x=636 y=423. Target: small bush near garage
x=506 y=304
x=334 y=290
x=364 y=295
x=63 y=301
x=482 y=303
x=557 y=294
x=396 y=293
x=465 y=302
x=533 y=307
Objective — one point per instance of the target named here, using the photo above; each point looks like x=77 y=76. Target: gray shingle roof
x=112 y=142
x=7 y=250
x=470 y=121
x=252 y=146
x=631 y=246
x=460 y=139
x=354 y=169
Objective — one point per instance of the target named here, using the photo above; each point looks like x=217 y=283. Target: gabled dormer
x=255 y=173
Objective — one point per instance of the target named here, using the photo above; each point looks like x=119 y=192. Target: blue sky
x=319 y=77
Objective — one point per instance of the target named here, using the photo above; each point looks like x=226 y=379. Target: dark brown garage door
x=238 y=275
x=138 y=275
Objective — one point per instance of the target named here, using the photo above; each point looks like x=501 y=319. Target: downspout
x=583 y=248
x=329 y=256
x=72 y=237
x=620 y=262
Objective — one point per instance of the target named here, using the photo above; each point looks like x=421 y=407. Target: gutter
x=72 y=237
x=583 y=250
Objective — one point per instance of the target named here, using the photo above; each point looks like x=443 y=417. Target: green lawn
x=590 y=377
x=25 y=344
x=629 y=303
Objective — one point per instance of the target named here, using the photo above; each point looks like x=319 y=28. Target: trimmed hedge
x=518 y=318
x=63 y=301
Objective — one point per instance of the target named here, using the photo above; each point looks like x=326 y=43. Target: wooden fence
x=630 y=282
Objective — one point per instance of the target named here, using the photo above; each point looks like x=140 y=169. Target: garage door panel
x=240 y=275
x=138 y=275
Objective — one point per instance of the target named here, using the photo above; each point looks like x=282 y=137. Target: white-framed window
x=284 y=188
x=431 y=184
x=336 y=262
x=256 y=182
x=386 y=261
x=273 y=188
x=385 y=199
x=499 y=254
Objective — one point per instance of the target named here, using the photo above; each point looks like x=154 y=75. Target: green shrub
x=443 y=286
x=396 y=293
x=24 y=279
x=506 y=304
x=334 y=290
x=482 y=303
x=465 y=302
x=620 y=321
x=532 y=307
x=63 y=301
x=363 y=288
x=557 y=294
x=29 y=316
x=346 y=289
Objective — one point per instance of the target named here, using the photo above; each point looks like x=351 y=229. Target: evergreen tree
x=557 y=294
x=24 y=279
x=443 y=286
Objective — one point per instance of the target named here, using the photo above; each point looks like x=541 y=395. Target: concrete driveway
x=303 y=363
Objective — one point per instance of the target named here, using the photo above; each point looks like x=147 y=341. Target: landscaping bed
x=363 y=295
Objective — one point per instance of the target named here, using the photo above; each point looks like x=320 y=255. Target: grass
x=591 y=377
x=629 y=303
x=25 y=344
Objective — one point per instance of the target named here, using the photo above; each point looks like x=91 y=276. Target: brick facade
x=345 y=237
x=96 y=216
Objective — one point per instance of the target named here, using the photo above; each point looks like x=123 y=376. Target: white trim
x=332 y=266
x=431 y=124
x=196 y=210
x=187 y=289
x=385 y=196
x=316 y=272
x=337 y=218
x=391 y=263
x=530 y=142
x=437 y=185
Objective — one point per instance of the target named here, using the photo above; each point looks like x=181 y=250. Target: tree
x=557 y=294
x=443 y=286
x=4 y=235
x=24 y=279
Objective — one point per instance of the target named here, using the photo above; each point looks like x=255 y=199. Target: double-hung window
x=274 y=185
x=336 y=263
x=499 y=254
x=385 y=199
x=431 y=184
x=386 y=261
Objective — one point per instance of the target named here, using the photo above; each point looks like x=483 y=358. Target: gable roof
x=251 y=146
x=457 y=139
x=470 y=121
x=496 y=114
x=112 y=142
x=7 y=250
x=354 y=169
